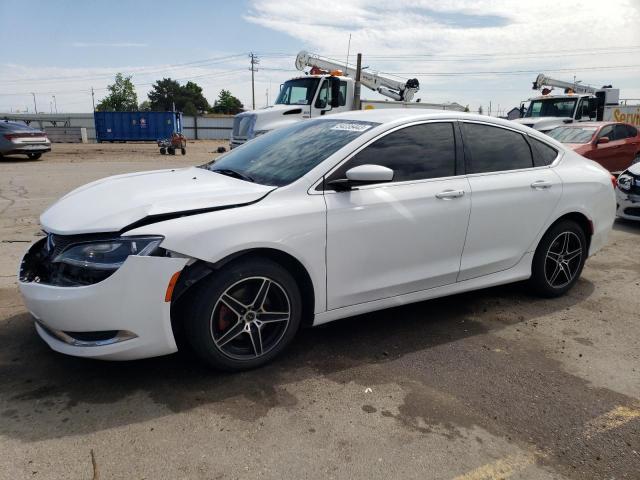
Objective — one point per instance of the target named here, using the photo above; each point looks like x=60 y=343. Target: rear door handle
x=541 y=184
x=449 y=194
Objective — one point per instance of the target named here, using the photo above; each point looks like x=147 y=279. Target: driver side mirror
x=602 y=140
x=362 y=175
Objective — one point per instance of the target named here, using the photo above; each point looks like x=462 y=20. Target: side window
x=607 y=132
x=543 y=154
x=620 y=132
x=494 y=149
x=413 y=153
x=632 y=131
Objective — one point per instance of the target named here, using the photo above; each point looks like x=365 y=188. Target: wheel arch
x=581 y=219
x=193 y=274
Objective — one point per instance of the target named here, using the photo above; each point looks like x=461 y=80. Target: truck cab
x=546 y=112
x=304 y=97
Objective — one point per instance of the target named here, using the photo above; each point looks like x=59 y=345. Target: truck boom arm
x=542 y=80
x=395 y=89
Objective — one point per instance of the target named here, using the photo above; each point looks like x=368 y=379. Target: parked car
x=310 y=223
x=613 y=145
x=18 y=138
x=628 y=193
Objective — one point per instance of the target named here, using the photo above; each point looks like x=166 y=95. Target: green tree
x=189 y=98
x=466 y=109
x=227 y=103
x=121 y=98
x=145 y=106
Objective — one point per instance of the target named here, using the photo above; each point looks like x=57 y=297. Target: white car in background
x=308 y=224
x=628 y=193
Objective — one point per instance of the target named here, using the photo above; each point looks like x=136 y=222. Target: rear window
x=633 y=131
x=573 y=134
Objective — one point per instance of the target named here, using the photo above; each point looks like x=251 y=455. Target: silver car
x=18 y=138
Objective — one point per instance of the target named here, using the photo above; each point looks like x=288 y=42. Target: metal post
x=35 y=106
x=356 y=92
x=195 y=126
x=254 y=61
x=55 y=103
x=93 y=99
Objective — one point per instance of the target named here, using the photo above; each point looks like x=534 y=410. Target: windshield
x=552 y=107
x=298 y=92
x=286 y=154
x=573 y=134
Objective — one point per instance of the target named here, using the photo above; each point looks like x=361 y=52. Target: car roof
x=399 y=116
x=10 y=124
x=392 y=115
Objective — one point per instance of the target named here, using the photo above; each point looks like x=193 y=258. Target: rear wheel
x=245 y=315
x=183 y=151
x=163 y=150
x=559 y=259
x=34 y=156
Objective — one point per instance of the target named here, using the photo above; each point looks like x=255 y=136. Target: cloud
x=108 y=45
x=422 y=36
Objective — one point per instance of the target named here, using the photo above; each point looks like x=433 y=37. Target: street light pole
x=55 y=103
x=35 y=106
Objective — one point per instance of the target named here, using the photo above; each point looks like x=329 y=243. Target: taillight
x=614 y=181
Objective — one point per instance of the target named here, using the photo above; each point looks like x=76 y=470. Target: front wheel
x=559 y=259
x=245 y=315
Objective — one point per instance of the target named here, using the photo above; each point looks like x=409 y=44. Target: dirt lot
x=491 y=384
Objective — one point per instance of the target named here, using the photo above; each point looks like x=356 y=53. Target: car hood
x=113 y=203
x=543 y=124
x=635 y=169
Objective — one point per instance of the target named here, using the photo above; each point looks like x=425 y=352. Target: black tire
x=171 y=150
x=163 y=151
x=183 y=151
x=34 y=156
x=209 y=316
x=557 y=264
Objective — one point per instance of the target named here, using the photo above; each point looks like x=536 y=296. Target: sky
x=474 y=52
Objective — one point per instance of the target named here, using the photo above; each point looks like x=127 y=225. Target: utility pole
x=254 y=61
x=93 y=99
x=356 y=93
x=55 y=103
x=35 y=106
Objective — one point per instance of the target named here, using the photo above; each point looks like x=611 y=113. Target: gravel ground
x=489 y=384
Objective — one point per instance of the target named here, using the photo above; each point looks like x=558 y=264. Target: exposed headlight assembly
x=625 y=182
x=107 y=254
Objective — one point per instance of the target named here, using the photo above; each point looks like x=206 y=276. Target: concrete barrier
x=67 y=134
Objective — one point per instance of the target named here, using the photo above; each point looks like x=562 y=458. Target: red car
x=613 y=145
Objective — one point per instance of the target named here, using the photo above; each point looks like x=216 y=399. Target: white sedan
x=311 y=223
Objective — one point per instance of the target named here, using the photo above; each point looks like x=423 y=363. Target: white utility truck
x=579 y=103
x=328 y=87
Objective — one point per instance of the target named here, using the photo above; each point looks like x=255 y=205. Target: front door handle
x=449 y=194
x=541 y=184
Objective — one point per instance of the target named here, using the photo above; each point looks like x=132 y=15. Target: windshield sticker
x=351 y=127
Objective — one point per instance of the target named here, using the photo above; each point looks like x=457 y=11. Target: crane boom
x=542 y=80
x=395 y=89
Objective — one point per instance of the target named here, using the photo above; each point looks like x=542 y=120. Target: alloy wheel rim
x=563 y=259
x=250 y=318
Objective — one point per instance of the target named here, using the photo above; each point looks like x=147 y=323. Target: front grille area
x=38 y=266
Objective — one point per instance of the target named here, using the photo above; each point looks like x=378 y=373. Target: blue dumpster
x=136 y=126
